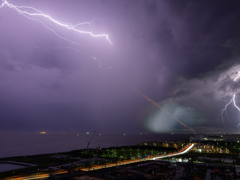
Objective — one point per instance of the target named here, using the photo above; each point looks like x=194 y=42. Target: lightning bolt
x=235 y=105
x=33 y=13
x=235 y=79
x=27 y=12
x=90 y=24
x=233 y=101
x=224 y=111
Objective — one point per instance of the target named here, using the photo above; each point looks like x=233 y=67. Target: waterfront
x=23 y=144
x=46 y=174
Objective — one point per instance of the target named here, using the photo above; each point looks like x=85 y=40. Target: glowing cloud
x=154 y=103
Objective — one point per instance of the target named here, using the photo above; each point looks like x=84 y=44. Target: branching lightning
x=35 y=14
x=224 y=111
x=235 y=105
x=232 y=101
x=32 y=14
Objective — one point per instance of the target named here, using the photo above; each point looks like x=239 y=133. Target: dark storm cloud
x=228 y=84
x=181 y=92
x=209 y=95
x=47 y=83
x=199 y=29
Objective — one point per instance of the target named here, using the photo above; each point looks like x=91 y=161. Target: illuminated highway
x=119 y=163
x=35 y=176
x=107 y=165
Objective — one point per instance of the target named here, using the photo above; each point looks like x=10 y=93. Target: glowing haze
x=59 y=61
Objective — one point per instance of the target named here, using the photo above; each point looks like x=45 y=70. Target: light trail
x=154 y=103
x=27 y=12
x=43 y=175
x=125 y=162
x=101 y=166
x=233 y=101
x=176 y=154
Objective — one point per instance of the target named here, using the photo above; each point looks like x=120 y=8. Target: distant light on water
x=87 y=132
x=124 y=134
x=26 y=144
x=42 y=132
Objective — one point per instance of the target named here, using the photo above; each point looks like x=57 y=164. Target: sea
x=25 y=144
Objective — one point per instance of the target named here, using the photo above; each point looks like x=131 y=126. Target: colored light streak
x=27 y=12
x=158 y=106
x=154 y=103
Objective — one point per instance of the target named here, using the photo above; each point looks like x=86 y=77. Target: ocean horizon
x=26 y=144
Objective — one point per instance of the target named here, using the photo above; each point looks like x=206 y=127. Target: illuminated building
x=207 y=148
x=174 y=144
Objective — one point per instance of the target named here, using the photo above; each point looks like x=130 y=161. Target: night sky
x=184 y=55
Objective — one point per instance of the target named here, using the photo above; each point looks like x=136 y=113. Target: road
x=107 y=165
x=119 y=163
